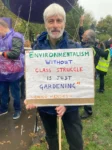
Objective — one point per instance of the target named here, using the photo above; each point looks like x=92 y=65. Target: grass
x=97 y=130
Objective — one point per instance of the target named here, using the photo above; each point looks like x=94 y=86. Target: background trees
x=30 y=30
x=103 y=27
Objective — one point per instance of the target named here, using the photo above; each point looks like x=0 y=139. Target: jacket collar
x=43 y=40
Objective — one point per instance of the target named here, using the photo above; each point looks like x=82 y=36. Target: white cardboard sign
x=55 y=77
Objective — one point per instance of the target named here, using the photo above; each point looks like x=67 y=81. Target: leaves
x=5 y=142
x=104 y=27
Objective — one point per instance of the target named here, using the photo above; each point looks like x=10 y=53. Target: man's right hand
x=29 y=106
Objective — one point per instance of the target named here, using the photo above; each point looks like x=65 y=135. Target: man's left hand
x=29 y=106
x=0 y=53
x=60 y=110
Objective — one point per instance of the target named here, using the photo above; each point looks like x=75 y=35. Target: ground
x=17 y=134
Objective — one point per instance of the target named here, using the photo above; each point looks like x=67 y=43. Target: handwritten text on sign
x=56 y=76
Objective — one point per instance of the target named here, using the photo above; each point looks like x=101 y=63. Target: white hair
x=91 y=36
x=54 y=9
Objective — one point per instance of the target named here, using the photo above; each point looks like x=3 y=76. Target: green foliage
x=30 y=30
x=4 y=12
x=98 y=129
x=73 y=17
x=103 y=37
x=43 y=146
x=88 y=21
x=72 y=24
x=104 y=27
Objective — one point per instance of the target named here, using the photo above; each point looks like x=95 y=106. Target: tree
x=73 y=18
x=28 y=29
x=72 y=24
x=104 y=27
x=89 y=21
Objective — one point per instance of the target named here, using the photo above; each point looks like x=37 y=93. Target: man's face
x=55 y=26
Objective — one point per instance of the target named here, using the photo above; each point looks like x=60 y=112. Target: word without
x=60 y=62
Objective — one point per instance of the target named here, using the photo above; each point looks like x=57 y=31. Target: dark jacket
x=12 y=59
x=64 y=43
x=14 y=44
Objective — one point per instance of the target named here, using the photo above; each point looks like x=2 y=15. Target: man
x=11 y=67
x=9 y=22
x=56 y=38
x=103 y=65
x=88 y=40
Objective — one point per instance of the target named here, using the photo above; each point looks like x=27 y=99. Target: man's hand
x=81 y=20
x=60 y=110
x=0 y=53
x=29 y=106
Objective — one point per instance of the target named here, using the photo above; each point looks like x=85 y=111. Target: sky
x=98 y=8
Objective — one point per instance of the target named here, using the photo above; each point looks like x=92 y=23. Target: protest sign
x=55 y=77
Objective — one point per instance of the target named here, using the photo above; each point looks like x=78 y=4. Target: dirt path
x=17 y=134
